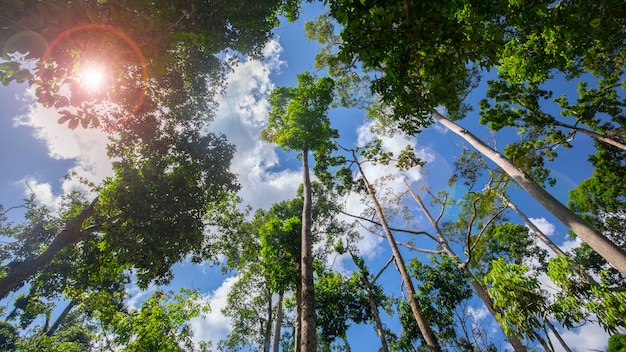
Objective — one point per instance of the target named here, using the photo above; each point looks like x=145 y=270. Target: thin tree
x=422 y=321
x=607 y=249
x=298 y=121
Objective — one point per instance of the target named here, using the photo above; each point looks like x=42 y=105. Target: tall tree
x=428 y=67
x=298 y=121
x=364 y=185
x=164 y=68
x=469 y=237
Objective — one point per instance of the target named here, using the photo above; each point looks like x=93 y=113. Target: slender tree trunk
x=309 y=334
x=422 y=322
x=558 y=336
x=278 y=323
x=482 y=293
x=19 y=272
x=544 y=344
x=532 y=226
x=593 y=135
x=479 y=289
x=53 y=329
x=380 y=330
x=603 y=246
x=297 y=338
x=267 y=334
x=545 y=239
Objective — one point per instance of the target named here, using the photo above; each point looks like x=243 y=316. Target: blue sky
x=36 y=151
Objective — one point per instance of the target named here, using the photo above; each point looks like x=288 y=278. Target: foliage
x=163 y=52
x=164 y=193
x=426 y=63
x=340 y=298
x=517 y=297
x=617 y=343
x=579 y=299
x=443 y=287
x=160 y=324
x=76 y=333
x=8 y=336
x=298 y=120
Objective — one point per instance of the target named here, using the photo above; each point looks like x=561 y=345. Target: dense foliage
x=66 y=274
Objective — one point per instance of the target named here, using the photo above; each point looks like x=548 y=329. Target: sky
x=36 y=153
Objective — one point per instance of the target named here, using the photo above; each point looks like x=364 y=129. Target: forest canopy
x=286 y=169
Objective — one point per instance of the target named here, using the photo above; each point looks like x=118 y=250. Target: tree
x=617 y=343
x=374 y=292
x=160 y=51
x=265 y=252
x=164 y=72
x=298 y=121
x=443 y=288
x=160 y=324
x=427 y=66
x=476 y=212
x=340 y=298
x=270 y=267
x=364 y=185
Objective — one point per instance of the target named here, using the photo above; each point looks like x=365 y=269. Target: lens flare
x=93 y=78
x=101 y=27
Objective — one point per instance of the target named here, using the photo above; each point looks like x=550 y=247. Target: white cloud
x=215 y=326
x=543 y=225
x=590 y=337
x=242 y=114
x=86 y=146
x=571 y=244
x=43 y=192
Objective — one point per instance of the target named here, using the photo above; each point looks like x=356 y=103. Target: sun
x=92 y=77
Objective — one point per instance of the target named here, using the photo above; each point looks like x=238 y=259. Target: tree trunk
x=297 y=333
x=588 y=279
x=603 y=246
x=278 y=323
x=267 y=334
x=374 y=307
x=532 y=226
x=544 y=344
x=594 y=135
x=19 y=272
x=422 y=323
x=53 y=329
x=558 y=336
x=308 y=289
x=479 y=289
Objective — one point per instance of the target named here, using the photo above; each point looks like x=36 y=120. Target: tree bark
x=53 y=329
x=267 y=334
x=297 y=333
x=603 y=246
x=558 y=336
x=309 y=335
x=278 y=323
x=19 y=272
x=594 y=135
x=422 y=322
x=479 y=289
x=380 y=330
